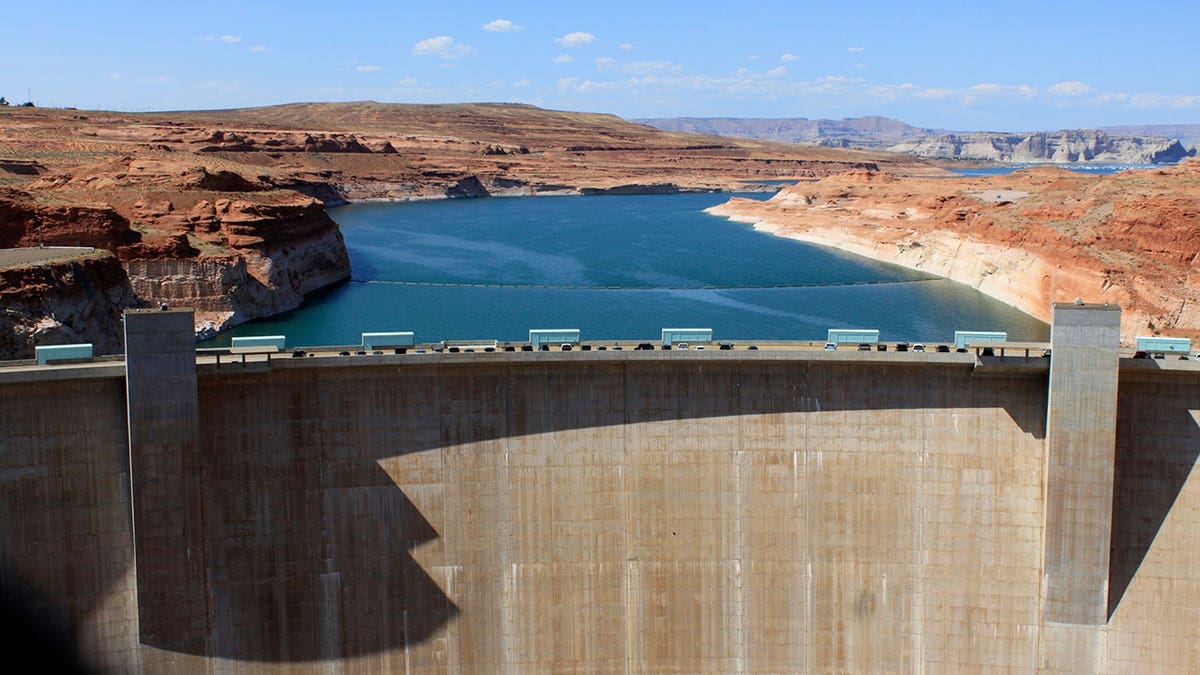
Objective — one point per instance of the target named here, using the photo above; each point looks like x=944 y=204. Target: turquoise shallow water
x=660 y=249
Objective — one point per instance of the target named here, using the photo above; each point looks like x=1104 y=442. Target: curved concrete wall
x=650 y=512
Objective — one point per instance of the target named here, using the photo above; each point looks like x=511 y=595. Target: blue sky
x=958 y=65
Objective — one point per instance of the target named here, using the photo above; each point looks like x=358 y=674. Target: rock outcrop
x=64 y=301
x=1062 y=147
x=1028 y=239
x=230 y=246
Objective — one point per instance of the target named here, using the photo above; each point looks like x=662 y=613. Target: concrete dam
x=634 y=511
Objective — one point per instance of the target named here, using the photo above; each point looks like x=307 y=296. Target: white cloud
x=230 y=38
x=985 y=88
x=626 y=46
x=260 y=49
x=638 y=67
x=993 y=89
x=567 y=82
x=856 y=50
x=442 y=46
x=777 y=72
x=908 y=91
x=1070 y=88
x=576 y=39
x=406 y=82
x=368 y=68
x=522 y=83
x=789 y=57
x=564 y=58
x=502 y=26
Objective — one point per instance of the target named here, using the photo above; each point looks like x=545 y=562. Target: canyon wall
x=236 y=255
x=224 y=210
x=79 y=299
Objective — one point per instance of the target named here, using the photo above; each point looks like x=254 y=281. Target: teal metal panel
x=539 y=336
x=392 y=339
x=852 y=335
x=964 y=338
x=63 y=352
x=276 y=341
x=1163 y=344
x=673 y=335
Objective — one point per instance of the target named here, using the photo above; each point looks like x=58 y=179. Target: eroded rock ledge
x=64 y=301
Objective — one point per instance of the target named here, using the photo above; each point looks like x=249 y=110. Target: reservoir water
x=615 y=267
x=1094 y=169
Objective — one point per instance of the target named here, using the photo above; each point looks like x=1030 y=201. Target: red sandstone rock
x=1030 y=238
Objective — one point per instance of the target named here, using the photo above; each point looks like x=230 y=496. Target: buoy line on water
x=565 y=287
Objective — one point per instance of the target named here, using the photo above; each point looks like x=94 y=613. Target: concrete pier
x=164 y=439
x=1081 y=431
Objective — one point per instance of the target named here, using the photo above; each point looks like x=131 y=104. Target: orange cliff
x=232 y=248
x=1029 y=238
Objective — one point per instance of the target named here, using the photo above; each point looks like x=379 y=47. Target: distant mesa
x=1112 y=145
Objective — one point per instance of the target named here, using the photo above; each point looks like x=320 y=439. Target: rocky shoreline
x=1039 y=236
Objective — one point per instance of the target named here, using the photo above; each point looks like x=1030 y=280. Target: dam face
x=769 y=511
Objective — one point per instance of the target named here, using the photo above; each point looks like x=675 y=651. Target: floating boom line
x=567 y=287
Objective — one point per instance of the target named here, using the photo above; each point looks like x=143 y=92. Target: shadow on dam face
x=1157 y=445
x=309 y=541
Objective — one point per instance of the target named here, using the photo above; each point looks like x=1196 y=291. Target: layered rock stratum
x=225 y=211
x=1154 y=144
x=1037 y=236
x=1061 y=147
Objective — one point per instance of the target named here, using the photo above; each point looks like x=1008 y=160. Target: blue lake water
x=1094 y=169
x=624 y=268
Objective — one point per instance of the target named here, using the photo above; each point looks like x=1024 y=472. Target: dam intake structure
x=775 y=510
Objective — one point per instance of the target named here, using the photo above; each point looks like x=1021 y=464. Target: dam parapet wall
x=798 y=511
